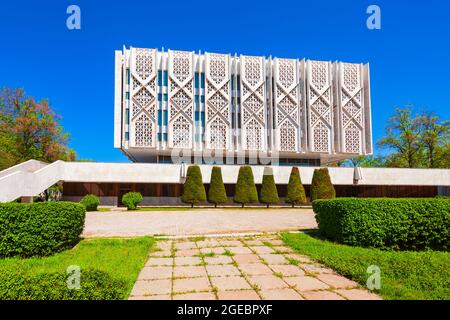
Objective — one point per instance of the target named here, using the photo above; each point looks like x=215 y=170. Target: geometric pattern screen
x=287 y=105
x=181 y=99
x=290 y=105
x=218 y=101
x=143 y=113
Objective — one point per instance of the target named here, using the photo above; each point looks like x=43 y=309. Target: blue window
x=202 y=99
x=196 y=99
x=202 y=80
x=196 y=80
x=162 y=117
x=200 y=117
x=127 y=95
x=127 y=136
x=128 y=76
x=165 y=78
x=232 y=82
x=162 y=97
x=160 y=78
x=238 y=82
x=127 y=116
x=162 y=136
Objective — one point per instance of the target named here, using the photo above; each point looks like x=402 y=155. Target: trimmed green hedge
x=90 y=202
x=132 y=199
x=94 y=285
x=400 y=224
x=39 y=229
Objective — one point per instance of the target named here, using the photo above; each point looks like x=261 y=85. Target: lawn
x=121 y=258
x=404 y=275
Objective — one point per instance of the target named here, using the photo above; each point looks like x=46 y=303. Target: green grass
x=104 y=209
x=121 y=258
x=405 y=275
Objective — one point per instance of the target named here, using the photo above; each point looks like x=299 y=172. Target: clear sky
x=409 y=56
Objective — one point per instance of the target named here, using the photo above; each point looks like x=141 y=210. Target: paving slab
x=230 y=283
x=190 y=285
x=238 y=295
x=281 y=294
x=358 y=294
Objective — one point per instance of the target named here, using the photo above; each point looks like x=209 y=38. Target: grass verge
x=405 y=275
x=122 y=259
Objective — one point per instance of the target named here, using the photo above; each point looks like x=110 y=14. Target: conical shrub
x=217 y=193
x=321 y=186
x=245 y=192
x=193 y=189
x=295 y=191
x=269 y=192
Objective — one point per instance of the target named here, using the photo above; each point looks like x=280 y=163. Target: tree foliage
x=217 y=193
x=193 y=189
x=295 y=190
x=416 y=140
x=321 y=186
x=269 y=192
x=245 y=192
x=29 y=129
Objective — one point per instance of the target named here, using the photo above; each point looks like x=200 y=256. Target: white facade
x=239 y=104
x=32 y=177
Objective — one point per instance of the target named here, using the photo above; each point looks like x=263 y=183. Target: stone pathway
x=250 y=268
x=198 y=221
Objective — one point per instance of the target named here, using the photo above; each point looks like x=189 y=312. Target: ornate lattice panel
x=351 y=107
x=143 y=113
x=253 y=102
x=319 y=106
x=287 y=105
x=181 y=101
x=218 y=99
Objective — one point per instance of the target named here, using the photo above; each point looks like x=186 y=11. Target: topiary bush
x=132 y=199
x=217 y=193
x=401 y=224
x=94 y=285
x=295 y=191
x=39 y=229
x=269 y=192
x=321 y=186
x=245 y=191
x=193 y=188
x=90 y=202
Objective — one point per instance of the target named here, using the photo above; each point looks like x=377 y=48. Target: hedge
x=217 y=193
x=132 y=199
x=400 y=224
x=295 y=193
x=269 y=192
x=321 y=186
x=193 y=188
x=94 y=285
x=245 y=191
x=90 y=202
x=39 y=229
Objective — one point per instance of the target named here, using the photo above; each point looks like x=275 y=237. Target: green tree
x=217 y=193
x=321 y=186
x=369 y=161
x=193 y=189
x=403 y=137
x=435 y=140
x=295 y=190
x=269 y=192
x=245 y=187
x=29 y=129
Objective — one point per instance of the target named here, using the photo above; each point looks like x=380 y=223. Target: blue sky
x=409 y=56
